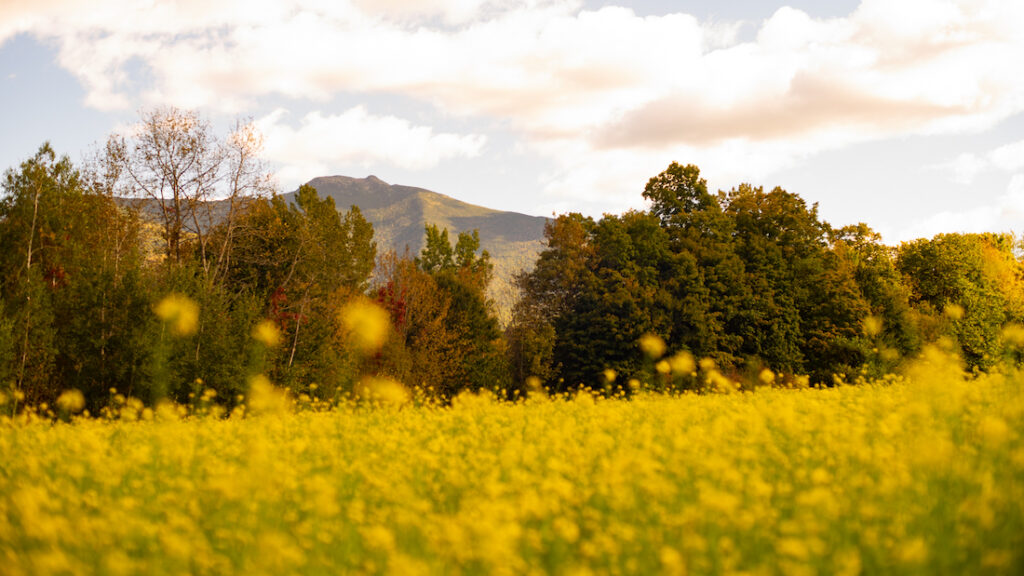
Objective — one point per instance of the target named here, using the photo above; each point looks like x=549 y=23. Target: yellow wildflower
x=264 y=397
x=71 y=401
x=180 y=313
x=872 y=326
x=682 y=363
x=1013 y=335
x=672 y=561
x=993 y=430
x=652 y=346
x=267 y=333
x=914 y=551
x=383 y=390
x=367 y=323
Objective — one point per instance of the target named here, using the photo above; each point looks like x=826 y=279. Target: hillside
x=399 y=214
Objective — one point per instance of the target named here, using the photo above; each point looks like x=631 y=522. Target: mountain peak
x=399 y=213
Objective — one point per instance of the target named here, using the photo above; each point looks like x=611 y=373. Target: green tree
x=548 y=294
x=711 y=290
x=748 y=278
x=882 y=286
x=461 y=274
x=678 y=192
x=781 y=243
x=8 y=347
x=76 y=259
x=303 y=261
x=979 y=273
x=624 y=299
x=437 y=254
x=31 y=220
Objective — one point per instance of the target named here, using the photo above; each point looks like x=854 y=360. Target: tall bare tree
x=246 y=177
x=190 y=178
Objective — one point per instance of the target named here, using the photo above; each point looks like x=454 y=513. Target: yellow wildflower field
x=921 y=474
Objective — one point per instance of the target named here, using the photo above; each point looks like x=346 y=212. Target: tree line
x=97 y=260
x=752 y=279
x=100 y=262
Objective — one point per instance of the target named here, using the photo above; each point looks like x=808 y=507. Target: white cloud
x=1009 y=157
x=608 y=96
x=321 y=143
x=967 y=166
x=1006 y=214
x=612 y=179
x=449 y=12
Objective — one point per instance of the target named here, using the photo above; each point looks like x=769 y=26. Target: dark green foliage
x=805 y=309
x=980 y=274
x=7 y=349
x=882 y=287
x=530 y=337
x=71 y=280
x=548 y=295
x=79 y=287
x=301 y=262
x=678 y=192
x=750 y=279
x=621 y=300
x=474 y=347
x=712 y=292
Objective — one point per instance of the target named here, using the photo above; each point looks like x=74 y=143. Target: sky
x=907 y=115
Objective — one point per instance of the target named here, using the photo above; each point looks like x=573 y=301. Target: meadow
x=921 y=473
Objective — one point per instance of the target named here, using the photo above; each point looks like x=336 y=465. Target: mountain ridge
x=399 y=214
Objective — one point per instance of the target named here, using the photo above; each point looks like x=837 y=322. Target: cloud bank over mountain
x=606 y=96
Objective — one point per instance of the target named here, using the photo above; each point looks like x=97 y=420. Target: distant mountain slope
x=399 y=214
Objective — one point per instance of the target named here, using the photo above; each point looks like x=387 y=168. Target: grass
x=921 y=474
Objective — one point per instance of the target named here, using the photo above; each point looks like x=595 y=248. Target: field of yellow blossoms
x=917 y=474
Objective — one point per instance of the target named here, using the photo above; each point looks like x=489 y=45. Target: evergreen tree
x=77 y=261
x=462 y=274
x=548 y=295
x=303 y=262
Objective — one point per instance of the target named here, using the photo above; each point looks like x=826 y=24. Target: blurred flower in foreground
x=682 y=363
x=383 y=390
x=265 y=398
x=367 y=324
x=1013 y=334
x=652 y=346
x=872 y=326
x=267 y=333
x=180 y=313
x=71 y=401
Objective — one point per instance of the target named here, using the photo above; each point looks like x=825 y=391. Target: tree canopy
x=751 y=279
x=166 y=267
